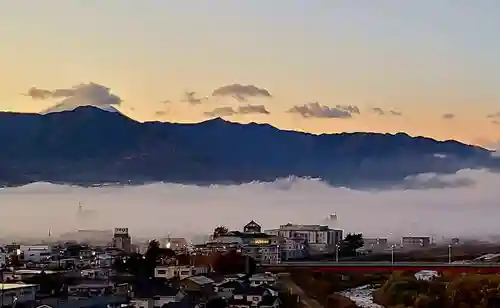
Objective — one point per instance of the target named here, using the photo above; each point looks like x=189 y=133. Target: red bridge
x=384 y=266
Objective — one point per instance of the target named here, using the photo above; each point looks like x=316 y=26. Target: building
x=319 y=239
x=3 y=259
x=17 y=293
x=415 y=241
x=34 y=253
x=263 y=248
x=122 y=240
x=252 y=227
x=177 y=244
x=262 y=279
x=179 y=271
x=254 y=297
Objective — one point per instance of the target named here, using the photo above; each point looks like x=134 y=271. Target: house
x=252 y=227
x=197 y=284
x=254 y=297
x=175 y=296
x=226 y=289
x=151 y=294
x=199 y=289
x=17 y=294
x=91 y=288
x=34 y=253
x=179 y=271
x=262 y=279
x=96 y=273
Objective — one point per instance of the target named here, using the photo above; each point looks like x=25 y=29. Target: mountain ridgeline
x=90 y=146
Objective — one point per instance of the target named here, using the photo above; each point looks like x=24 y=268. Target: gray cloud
x=349 y=108
x=496 y=122
x=192 y=98
x=448 y=116
x=494 y=115
x=160 y=113
x=85 y=94
x=253 y=109
x=382 y=112
x=241 y=92
x=315 y=110
x=38 y=94
x=229 y=111
x=221 y=112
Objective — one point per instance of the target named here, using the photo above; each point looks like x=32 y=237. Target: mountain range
x=88 y=146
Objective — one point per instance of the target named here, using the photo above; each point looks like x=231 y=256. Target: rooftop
x=290 y=226
x=200 y=280
x=13 y=286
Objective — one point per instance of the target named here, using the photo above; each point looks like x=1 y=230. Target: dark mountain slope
x=89 y=145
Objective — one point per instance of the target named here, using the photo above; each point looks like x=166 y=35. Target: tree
x=351 y=242
x=233 y=262
x=220 y=231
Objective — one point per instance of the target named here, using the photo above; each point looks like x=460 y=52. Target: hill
x=89 y=145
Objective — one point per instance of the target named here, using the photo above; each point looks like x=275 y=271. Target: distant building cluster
x=274 y=246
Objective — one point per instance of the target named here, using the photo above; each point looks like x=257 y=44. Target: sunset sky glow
x=424 y=67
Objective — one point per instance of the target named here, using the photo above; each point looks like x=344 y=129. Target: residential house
x=254 y=297
x=179 y=271
x=199 y=289
x=225 y=289
x=262 y=279
x=153 y=296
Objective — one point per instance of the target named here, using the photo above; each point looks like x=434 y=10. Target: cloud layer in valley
x=468 y=207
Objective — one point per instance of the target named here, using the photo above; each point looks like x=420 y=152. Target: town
x=109 y=269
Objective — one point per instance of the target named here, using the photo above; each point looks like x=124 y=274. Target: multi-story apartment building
x=317 y=237
x=415 y=241
x=122 y=240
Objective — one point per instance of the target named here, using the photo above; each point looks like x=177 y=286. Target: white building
x=318 y=238
x=262 y=279
x=180 y=271
x=17 y=293
x=35 y=253
x=122 y=240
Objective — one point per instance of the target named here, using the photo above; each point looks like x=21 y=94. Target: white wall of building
x=181 y=271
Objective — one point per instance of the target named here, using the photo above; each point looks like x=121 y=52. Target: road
x=305 y=300
x=380 y=263
x=386 y=266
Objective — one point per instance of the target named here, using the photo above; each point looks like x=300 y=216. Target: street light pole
x=392 y=254
x=337 y=253
x=449 y=253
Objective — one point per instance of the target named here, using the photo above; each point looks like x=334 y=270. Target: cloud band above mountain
x=230 y=111
x=241 y=92
x=85 y=94
x=315 y=110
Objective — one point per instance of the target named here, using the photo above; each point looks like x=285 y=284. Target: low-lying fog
x=468 y=207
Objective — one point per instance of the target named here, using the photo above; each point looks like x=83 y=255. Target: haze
x=467 y=208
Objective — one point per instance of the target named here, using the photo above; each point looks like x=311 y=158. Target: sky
x=464 y=204
x=424 y=67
